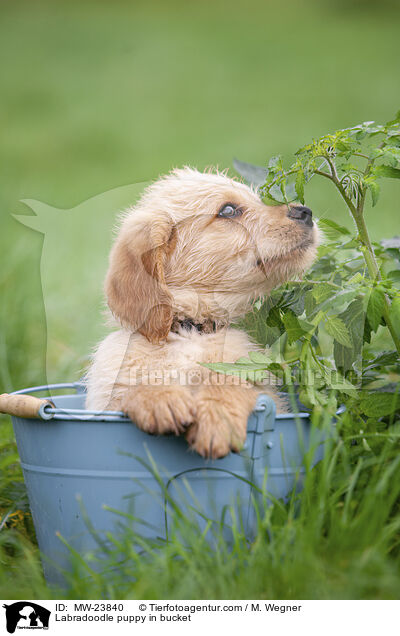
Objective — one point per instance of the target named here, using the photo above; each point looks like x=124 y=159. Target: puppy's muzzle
x=301 y=214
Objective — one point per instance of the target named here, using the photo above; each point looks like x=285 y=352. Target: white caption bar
x=168 y=617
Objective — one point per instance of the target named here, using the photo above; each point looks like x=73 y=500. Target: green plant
x=327 y=332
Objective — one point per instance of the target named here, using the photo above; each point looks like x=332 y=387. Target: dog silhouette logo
x=26 y=615
x=60 y=229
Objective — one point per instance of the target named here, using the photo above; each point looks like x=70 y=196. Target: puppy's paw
x=160 y=409
x=221 y=420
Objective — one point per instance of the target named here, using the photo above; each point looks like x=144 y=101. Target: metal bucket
x=76 y=460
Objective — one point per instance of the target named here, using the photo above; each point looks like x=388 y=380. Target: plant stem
x=366 y=246
x=367 y=249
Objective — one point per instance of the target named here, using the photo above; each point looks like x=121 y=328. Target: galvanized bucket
x=78 y=463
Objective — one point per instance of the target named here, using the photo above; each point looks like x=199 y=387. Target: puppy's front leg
x=221 y=419
x=160 y=409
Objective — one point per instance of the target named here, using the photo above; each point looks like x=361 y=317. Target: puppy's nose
x=301 y=213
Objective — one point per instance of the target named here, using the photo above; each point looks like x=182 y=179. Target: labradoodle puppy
x=189 y=258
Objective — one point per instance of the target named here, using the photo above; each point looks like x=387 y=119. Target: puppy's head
x=202 y=246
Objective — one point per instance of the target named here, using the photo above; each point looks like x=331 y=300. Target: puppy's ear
x=135 y=283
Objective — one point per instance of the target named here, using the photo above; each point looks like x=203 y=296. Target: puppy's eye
x=230 y=211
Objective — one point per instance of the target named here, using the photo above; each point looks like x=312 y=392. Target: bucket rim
x=48 y=411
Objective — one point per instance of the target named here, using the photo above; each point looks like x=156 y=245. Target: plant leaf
x=322 y=292
x=299 y=185
x=354 y=319
x=337 y=328
x=258 y=357
x=292 y=326
x=235 y=368
x=309 y=302
x=339 y=383
x=290 y=193
x=379 y=404
x=387 y=171
x=275 y=193
x=384 y=359
x=396 y=119
x=394 y=315
x=394 y=275
x=332 y=229
x=274 y=161
x=375 y=308
x=375 y=190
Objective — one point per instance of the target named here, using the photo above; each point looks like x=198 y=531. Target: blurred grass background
x=95 y=95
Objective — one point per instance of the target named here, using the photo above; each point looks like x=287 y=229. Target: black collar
x=208 y=326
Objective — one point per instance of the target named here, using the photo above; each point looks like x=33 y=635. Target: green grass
x=97 y=95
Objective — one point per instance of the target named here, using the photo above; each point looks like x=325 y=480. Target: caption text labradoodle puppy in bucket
x=190 y=257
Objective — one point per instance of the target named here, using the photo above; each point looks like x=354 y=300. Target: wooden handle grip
x=21 y=405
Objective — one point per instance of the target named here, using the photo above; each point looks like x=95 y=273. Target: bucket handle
x=25 y=406
x=32 y=407
x=19 y=404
